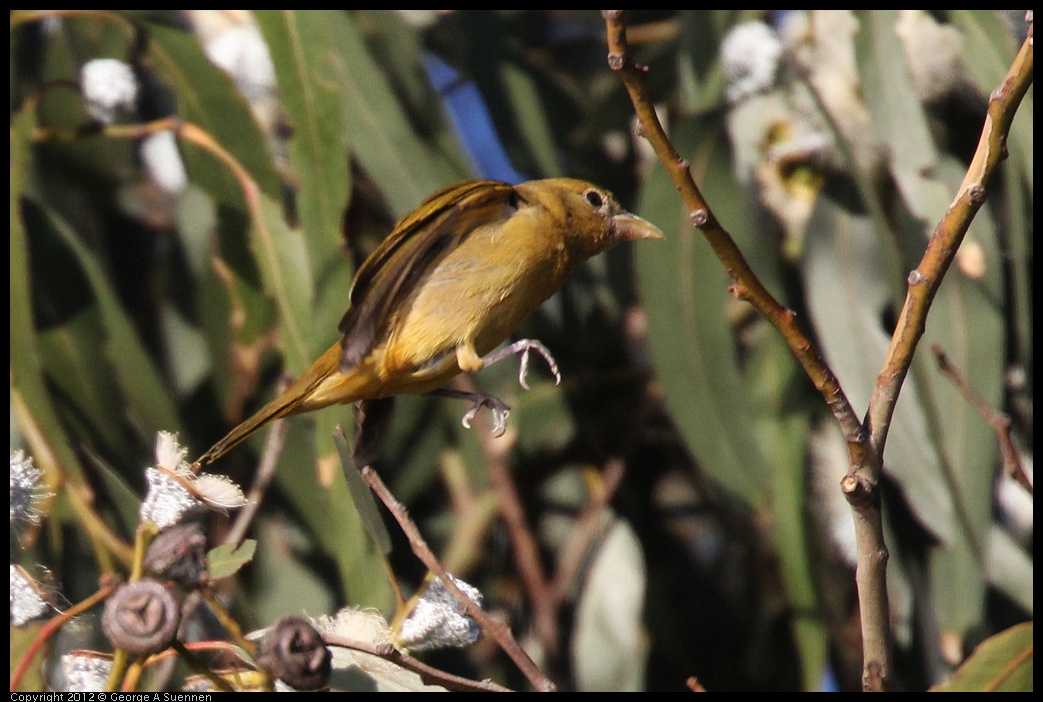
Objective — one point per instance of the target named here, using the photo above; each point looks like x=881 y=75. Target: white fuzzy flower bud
x=26 y=493
x=174 y=491
x=109 y=87
x=241 y=52
x=750 y=55
x=436 y=620
x=27 y=602
x=86 y=671
x=1014 y=503
x=163 y=161
x=168 y=499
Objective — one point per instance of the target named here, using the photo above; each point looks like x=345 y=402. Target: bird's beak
x=630 y=227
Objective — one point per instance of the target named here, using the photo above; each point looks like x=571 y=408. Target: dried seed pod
x=142 y=617
x=179 y=554
x=294 y=652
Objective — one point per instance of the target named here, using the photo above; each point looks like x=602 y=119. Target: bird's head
x=589 y=216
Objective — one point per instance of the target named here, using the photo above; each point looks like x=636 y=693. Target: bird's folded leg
x=498 y=407
x=523 y=347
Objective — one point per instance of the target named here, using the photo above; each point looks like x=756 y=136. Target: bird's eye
x=594 y=198
x=513 y=200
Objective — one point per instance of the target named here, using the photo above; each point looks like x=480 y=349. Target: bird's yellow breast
x=478 y=294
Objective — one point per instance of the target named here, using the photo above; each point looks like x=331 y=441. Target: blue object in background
x=472 y=121
x=829 y=681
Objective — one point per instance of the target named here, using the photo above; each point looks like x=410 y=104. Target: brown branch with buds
x=865 y=440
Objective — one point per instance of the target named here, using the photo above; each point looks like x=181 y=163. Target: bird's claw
x=500 y=413
x=522 y=348
x=523 y=370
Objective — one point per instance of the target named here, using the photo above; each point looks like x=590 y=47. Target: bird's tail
x=281 y=406
x=319 y=386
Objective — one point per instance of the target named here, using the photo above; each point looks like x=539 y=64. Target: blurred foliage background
x=150 y=291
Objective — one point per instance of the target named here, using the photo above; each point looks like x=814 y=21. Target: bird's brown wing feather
x=415 y=245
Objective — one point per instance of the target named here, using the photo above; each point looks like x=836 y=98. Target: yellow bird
x=448 y=285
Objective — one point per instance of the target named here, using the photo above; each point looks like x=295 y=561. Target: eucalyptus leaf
x=282 y=257
x=897 y=114
x=405 y=167
x=73 y=355
x=966 y=321
x=1010 y=569
x=208 y=98
x=685 y=294
x=782 y=429
x=1001 y=663
x=845 y=284
x=310 y=74
x=330 y=515
x=362 y=497
x=140 y=383
x=533 y=122
x=27 y=379
x=609 y=647
x=285 y=583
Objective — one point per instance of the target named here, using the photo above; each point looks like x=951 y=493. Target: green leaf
x=27 y=382
x=126 y=502
x=229 y=559
x=1010 y=568
x=847 y=293
x=189 y=359
x=282 y=257
x=208 y=98
x=967 y=321
x=609 y=649
x=1001 y=663
x=310 y=74
x=284 y=582
x=405 y=167
x=76 y=365
x=781 y=426
x=146 y=395
x=362 y=497
x=684 y=289
x=324 y=505
x=535 y=127
x=894 y=106
x=415 y=444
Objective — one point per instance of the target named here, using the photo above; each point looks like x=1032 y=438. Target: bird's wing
x=416 y=244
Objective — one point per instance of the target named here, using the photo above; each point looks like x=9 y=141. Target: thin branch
x=429 y=674
x=998 y=421
x=926 y=278
x=490 y=626
x=745 y=284
x=583 y=533
x=924 y=282
x=860 y=486
x=523 y=542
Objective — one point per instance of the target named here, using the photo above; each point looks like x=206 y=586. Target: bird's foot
x=499 y=409
x=522 y=348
